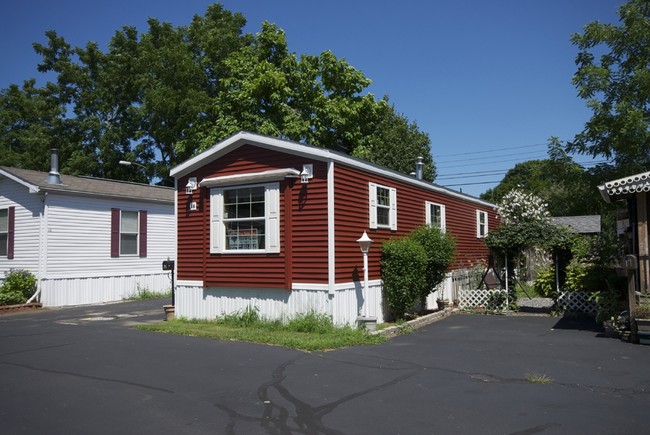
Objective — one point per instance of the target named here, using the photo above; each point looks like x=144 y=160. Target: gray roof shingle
x=92 y=186
x=579 y=224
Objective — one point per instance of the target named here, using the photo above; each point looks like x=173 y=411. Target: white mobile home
x=87 y=240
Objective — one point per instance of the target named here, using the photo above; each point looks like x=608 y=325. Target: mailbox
x=168 y=265
x=630 y=262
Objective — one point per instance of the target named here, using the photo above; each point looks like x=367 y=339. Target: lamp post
x=364 y=243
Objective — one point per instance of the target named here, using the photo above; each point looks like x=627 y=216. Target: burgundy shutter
x=115 y=232
x=143 y=233
x=11 y=229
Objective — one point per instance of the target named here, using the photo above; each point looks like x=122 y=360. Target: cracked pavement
x=86 y=370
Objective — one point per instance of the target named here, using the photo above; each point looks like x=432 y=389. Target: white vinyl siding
x=79 y=239
x=382 y=205
x=245 y=219
x=435 y=215
x=481 y=224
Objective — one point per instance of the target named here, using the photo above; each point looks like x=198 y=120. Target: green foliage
x=440 y=249
x=566 y=188
x=18 y=286
x=143 y=293
x=311 y=322
x=613 y=78
x=403 y=271
x=162 y=95
x=544 y=284
x=240 y=319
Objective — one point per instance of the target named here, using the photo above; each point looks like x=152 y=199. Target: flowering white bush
x=518 y=207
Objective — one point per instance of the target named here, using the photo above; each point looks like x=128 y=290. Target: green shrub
x=18 y=286
x=544 y=284
x=403 y=271
x=440 y=249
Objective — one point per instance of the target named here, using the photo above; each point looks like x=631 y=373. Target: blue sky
x=489 y=81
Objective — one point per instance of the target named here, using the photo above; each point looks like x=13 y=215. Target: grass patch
x=309 y=332
x=143 y=294
x=535 y=378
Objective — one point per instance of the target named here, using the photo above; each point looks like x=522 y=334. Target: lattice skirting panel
x=576 y=302
x=475 y=298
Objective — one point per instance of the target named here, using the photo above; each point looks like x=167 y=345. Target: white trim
x=312 y=152
x=480 y=213
x=372 y=207
x=336 y=287
x=443 y=214
x=189 y=283
x=271 y=221
x=331 y=225
x=32 y=188
x=255 y=177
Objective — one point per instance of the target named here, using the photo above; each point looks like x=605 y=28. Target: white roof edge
x=318 y=153
x=32 y=188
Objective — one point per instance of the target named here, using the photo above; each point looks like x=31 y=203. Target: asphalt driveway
x=88 y=371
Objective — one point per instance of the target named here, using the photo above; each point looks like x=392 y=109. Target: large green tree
x=563 y=184
x=613 y=76
x=158 y=97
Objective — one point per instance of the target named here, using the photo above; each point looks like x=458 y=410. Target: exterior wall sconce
x=307 y=173
x=191 y=185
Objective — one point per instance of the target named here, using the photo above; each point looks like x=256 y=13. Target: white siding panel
x=26 y=240
x=196 y=302
x=79 y=238
x=95 y=290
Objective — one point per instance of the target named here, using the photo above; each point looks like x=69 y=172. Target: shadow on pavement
x=579 y=323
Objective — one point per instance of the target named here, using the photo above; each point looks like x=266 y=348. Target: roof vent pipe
x=53 y=177
x=419 y=167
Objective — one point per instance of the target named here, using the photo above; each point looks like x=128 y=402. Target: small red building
x=273 y=224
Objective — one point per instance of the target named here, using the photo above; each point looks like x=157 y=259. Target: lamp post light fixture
x=364 y=243
x=128 y=163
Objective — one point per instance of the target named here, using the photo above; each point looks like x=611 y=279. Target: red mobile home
x=272 y=224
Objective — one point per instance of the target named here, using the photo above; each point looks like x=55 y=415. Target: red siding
x=307 y=243
x=303 y=224
x=351 y=208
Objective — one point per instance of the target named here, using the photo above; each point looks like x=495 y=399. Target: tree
x=566 y=188
x=613 y=77
x=159 y=97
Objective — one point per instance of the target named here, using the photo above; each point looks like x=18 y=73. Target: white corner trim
x=272 y=175
x=331 y=240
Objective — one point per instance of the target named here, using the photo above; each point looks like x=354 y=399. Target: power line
x=489 y=151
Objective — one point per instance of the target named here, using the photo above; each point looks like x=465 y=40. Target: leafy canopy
x=613 y=77
x=158 y=97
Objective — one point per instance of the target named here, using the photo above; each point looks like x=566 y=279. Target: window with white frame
x=382 y=206
x=245 y=219
x=481 y=224
x=4 y=232
x=435 y=215
x=129 y=232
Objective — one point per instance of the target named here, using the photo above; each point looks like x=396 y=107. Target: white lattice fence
x=577 y=302
x=475 y=298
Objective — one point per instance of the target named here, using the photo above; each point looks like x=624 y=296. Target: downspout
x=41 y=250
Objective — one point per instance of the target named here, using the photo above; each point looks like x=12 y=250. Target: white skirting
x=344 y=303
x=94 y=290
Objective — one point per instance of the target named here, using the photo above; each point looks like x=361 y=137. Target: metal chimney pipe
x=419 y=168
x=54 y=177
